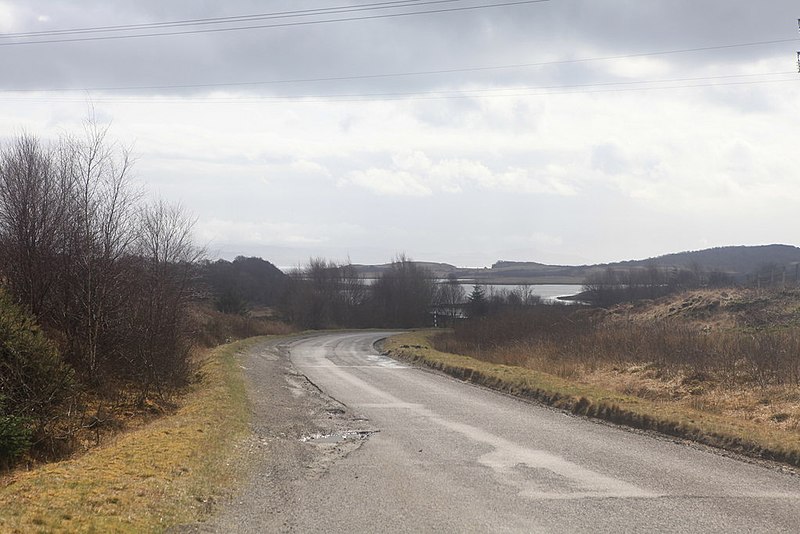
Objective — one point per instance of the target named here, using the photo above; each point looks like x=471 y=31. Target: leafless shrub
x=559 y=340
x=324 y=294
x=107 y=277
x=402 y=296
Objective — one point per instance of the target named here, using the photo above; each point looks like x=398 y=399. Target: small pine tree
x=477 y=305
x=15 y=436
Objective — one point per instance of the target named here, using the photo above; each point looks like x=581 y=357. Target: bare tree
x=33 y=211
x=78 y=250
x=101 y=233
x=404 y=293
x=450 y=299
x=166 y=256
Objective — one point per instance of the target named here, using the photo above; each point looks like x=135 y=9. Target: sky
x=458 y=131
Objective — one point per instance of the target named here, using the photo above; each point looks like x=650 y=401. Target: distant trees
x=477 y=303
x=235 y=286
x=613 y=286
x=403 y=295
x=450 y=298
x=325 y=294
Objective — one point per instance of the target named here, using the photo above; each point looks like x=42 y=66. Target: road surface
x=408 y=450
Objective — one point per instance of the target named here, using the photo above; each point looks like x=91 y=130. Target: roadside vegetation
x=718 y=365
x=168 y=472
x=104 y=299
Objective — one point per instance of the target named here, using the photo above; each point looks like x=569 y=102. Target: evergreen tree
x=477 y=305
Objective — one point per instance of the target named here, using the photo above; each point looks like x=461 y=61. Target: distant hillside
x=244 y=281
x=737 y=261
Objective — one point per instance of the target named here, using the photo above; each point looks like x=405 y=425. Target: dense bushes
x=106 y=273
x=15 y=436
x=108 y=276
x=33 y=380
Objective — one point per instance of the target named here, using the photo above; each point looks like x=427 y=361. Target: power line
x=230 y=19
x=472 y=92
x=434 y=95
x=279 y=25
x=409 y=73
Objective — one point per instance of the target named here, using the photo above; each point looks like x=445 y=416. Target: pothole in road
x=337 y=437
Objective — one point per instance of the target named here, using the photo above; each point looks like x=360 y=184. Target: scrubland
x=721 y=366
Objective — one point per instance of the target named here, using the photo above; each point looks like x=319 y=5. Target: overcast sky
x=462 y=136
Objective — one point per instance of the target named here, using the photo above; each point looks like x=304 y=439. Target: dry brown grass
x=637 y=396
x=213 y=327
x=727 y=359
x=169 y=471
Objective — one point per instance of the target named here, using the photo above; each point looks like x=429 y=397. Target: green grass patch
x=729 y=433
x=168 y=472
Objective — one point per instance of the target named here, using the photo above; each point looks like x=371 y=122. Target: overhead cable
x=277 y=25
x=442 y=95
x=402 y=74
x=227 y=20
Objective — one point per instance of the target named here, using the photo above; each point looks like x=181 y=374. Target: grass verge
x=168 y=472
x=728 y=433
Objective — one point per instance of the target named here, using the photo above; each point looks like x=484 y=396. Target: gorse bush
x=33 y=380
x=15 y=437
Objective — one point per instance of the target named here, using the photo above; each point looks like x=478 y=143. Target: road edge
x=415 y=347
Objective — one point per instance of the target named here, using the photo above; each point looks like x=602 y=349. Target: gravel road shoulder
x=298 y=432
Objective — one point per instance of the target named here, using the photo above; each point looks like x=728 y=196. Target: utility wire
x=278 y=25
x=442 y=95
x=228 y=20
x=404 y=74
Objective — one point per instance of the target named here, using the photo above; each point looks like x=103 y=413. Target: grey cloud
x=554 y=30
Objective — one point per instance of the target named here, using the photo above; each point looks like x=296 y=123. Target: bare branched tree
x=79 y=251
x=166 y=256
x=404 y=293
x=33 y=212
x=101 y=232
x=450 y=299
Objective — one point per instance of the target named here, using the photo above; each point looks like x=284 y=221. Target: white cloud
x=220 y=231
x=415 y=174
x=268 y=233
x=639 y=67
x=564 y=173
x=8 y=17
x=389 y=182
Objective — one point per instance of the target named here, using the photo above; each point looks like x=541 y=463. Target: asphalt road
x=416 y=451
